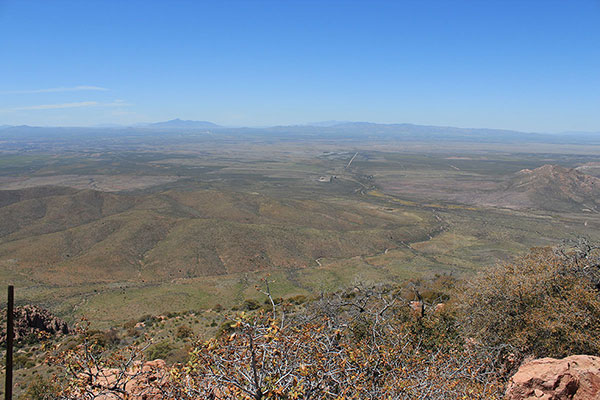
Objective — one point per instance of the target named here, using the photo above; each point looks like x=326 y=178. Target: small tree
x=366 y=345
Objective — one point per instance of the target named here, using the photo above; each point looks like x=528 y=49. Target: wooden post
x=9 y=343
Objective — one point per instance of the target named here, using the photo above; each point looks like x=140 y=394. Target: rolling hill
x=554 y=188
x=64 y=236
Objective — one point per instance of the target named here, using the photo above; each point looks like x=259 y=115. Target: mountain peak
x=181 y=123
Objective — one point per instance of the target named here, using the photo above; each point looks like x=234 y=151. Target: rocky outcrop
x=34 y=320
x=555 y=188
x=141 y=382
x=571 y=378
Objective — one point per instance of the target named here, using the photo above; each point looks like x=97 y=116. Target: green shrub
x=298 y=299
x=111 y=338
x=41 y=389
x=251 y=304
x=183 y=331
x=159 y=350
x=21 y=361
x=225 y=328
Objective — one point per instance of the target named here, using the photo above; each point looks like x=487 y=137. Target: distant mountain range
x=337 y=130
x=327 y=123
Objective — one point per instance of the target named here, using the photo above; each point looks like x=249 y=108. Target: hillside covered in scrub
x=437 y=339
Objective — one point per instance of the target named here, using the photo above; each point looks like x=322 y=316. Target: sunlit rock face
x=572 y=378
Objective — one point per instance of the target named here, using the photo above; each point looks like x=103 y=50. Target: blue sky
x=524 y=65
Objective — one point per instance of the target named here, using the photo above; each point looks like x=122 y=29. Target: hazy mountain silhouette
x=180 y=123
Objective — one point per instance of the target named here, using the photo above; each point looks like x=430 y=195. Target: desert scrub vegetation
x=544 y=304
x=319 y=355
x=442 y=339
x=183 y=332
x=366 y=342
x=41 y=389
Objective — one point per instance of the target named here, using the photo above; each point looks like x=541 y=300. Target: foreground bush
x=545 y=304
x=322 y=360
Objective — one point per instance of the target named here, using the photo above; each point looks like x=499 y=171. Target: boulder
x=145 y=386
x=140 y=382
x=572 y=378
x=417 y=308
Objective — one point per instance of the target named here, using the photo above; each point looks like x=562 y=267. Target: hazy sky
x=525 y=65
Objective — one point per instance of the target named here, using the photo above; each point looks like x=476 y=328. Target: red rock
x=572 y=378
x=140 y=384
x=418 y=308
